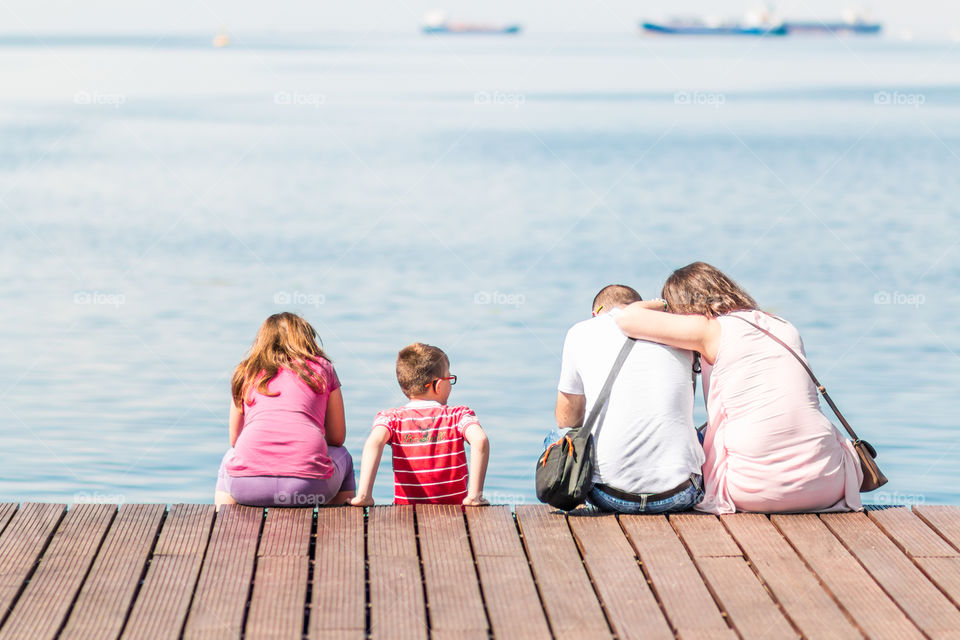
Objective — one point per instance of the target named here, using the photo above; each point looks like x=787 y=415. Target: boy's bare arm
x=479 y=456
x=369 y=463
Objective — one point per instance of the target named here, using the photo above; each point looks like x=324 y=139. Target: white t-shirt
x=645 y=439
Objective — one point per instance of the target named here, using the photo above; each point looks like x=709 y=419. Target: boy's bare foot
x=475 y=501
x=362 y=501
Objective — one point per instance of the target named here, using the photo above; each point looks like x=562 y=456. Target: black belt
x=644 y=498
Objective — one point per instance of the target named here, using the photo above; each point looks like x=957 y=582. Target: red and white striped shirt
x=429 y=459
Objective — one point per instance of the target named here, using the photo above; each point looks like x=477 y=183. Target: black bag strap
x=607 y=386
x=820 y=387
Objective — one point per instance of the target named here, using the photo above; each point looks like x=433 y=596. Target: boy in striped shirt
x=427 y=436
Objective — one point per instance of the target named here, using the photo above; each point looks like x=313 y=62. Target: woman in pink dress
x=768 y=446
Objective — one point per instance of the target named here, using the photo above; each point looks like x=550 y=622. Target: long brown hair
x=702 y=289
x=285 y=340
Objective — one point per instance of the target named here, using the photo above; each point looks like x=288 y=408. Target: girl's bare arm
x=334 y=422
x=236 y=423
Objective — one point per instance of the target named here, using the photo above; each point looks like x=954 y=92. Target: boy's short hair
x=615 y=295
x=418 y=365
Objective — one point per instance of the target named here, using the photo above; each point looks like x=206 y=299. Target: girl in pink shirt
x=287 y=423
x=768 y=446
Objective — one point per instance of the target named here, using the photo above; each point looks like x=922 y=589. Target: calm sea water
x=159 y=198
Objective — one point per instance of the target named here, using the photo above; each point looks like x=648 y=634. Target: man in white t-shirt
x=648 y=456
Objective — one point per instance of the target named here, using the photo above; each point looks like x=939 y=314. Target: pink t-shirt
x=283 y=435
x=768 y=446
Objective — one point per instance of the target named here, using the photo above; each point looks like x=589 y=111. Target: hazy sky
x=921 y=18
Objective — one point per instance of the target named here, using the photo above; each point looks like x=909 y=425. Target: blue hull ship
x=509 y=29
x=840 y=28
x=696 y=29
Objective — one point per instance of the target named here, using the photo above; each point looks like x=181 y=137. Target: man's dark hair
x=615 y=295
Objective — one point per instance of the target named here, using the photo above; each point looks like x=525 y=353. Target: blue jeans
x=679 y=502
x=683 y=501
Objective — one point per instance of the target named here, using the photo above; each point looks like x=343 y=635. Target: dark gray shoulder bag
x=565 y=469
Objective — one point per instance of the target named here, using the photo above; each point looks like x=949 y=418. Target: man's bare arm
x=570 y=409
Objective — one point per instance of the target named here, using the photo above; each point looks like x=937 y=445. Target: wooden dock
x=146 y=571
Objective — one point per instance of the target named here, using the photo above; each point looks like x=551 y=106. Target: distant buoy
x=222 y=39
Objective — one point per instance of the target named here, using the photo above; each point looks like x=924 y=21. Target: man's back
x=646 y=442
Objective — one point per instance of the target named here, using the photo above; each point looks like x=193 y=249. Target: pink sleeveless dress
x=768 y=446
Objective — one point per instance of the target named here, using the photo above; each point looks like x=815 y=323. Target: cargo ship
x=852 y=24
x=761 y=23
x=697 y=28
x=437 y=23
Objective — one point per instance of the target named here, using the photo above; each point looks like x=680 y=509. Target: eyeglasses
x=452 y=379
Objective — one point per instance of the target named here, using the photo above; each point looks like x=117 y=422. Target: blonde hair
x=418 y=365
x=702 y=289
x=285 y=340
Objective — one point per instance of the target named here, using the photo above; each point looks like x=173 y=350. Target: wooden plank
x=279 y=597
x=164 y=599
x=674 y=578
x=452 y=634
x=560 y=575
x=929 y=551
x=22 y=543
x=397 y=608
x=945 y=520
x=450 y=577
x=912 y=534
x=338 y=608
x=279 y=600
x=926 y=606
x=47 y=599
x=220 y=601
x=797 y=590
x=509 y=591
x=627 y=599
x=704 y=536
x=874 y=612
x=107 y=593
x=7 y=509
x=945 y=573
x=493 y=532
x=749 y=607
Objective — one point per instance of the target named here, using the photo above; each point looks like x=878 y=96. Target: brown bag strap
x=820 y=387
